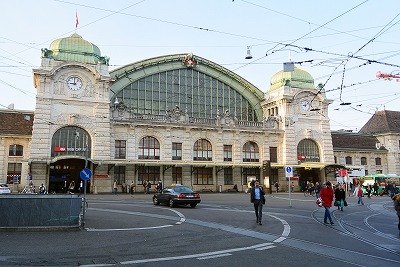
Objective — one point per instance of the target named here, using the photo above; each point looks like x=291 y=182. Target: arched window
x=16 y=150
x=250 y=152
x=202 y=150
x=199 y=94
x=149 y=148
x=307 y=150
x=70 y=140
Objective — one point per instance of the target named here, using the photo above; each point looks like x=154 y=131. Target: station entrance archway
x=63 y=172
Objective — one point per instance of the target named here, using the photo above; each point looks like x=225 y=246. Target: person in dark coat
x=257 y=197
x=340 y=197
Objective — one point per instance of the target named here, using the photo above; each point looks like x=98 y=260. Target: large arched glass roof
x=203 y=89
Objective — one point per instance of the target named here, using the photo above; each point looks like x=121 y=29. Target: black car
x=177 y=195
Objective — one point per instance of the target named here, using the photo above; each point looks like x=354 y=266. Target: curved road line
x=181 y=220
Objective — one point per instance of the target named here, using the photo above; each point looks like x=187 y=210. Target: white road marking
x=196 y=255
x=265 y=248
x=181 y=220
x=216 y=256
x=280 y=239
x=181 y=216
x=286 y=226
x=127 y=229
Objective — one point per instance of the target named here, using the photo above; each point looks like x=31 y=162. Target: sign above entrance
x=85 y=174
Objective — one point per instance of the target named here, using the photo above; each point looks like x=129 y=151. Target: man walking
x=257 y=197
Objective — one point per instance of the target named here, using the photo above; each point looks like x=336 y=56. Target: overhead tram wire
x=324 y=24
x=351 y=56
x=303 y=20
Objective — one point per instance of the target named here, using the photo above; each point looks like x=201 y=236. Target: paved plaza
x=129 y=230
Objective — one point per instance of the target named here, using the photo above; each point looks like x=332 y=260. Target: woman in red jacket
x=327 y=198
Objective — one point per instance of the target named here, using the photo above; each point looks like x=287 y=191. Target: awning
x=310 y=165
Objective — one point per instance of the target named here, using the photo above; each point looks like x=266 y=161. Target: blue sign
x=86 y=174
x=289 y=171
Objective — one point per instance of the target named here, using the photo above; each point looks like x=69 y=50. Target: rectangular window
x=176 y=151
x=16 y=150
x=14 y=173
x=120 y=149
x=177 y=175
x=349 y=161
x=250 y=172
x=149 y=173
x=363 y=161
x=378 y=161
x=273 y=154
x=227 y=152
x=203 y=176
x=228 y=176
x=119 y=174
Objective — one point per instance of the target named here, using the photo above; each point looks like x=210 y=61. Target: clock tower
x=72 y=117
x=301 y=111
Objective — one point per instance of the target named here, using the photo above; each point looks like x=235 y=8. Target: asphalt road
x=129 y=230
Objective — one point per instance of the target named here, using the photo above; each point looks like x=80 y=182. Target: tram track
x=345 y=229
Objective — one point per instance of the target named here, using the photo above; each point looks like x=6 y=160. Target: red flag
x=76 y=20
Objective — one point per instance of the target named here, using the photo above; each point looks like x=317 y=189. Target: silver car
x=4 y=189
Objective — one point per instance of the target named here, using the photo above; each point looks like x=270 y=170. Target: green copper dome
x=74 y=48
x=297 y=78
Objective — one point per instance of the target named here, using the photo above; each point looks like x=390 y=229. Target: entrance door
x=308 y=176
x=63 y=172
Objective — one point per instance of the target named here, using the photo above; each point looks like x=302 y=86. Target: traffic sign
x=85 y=174
x=289 y=171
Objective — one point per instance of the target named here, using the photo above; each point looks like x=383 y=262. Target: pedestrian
x=145 y=186
x=71 y=187
x=115 y=187
x=148 y=187
x=396 y=203
x=317 y=189
x=248 y=187
x=257 y=197
x=376 y=189
x=359 y=193
x=42 y=189
x=81 y=187
x=123 y=187
x=369 y=190
x=159 y=186
x=340 y=197
x=327 y=198
x=277 y=186
x=132 y=188
x=65 y=188
x=292 y=187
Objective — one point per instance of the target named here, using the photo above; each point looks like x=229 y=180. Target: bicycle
x=309 y=192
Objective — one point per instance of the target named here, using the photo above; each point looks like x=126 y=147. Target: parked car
x=4 y=189
x=177 y=195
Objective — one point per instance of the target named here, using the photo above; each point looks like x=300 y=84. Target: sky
x=341 y=43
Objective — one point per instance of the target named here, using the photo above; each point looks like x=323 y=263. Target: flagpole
x=76 y=20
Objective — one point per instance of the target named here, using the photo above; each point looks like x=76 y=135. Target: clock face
x=305 y=105
x=74 y=83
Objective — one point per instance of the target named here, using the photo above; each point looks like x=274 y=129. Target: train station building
x=176 y=118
